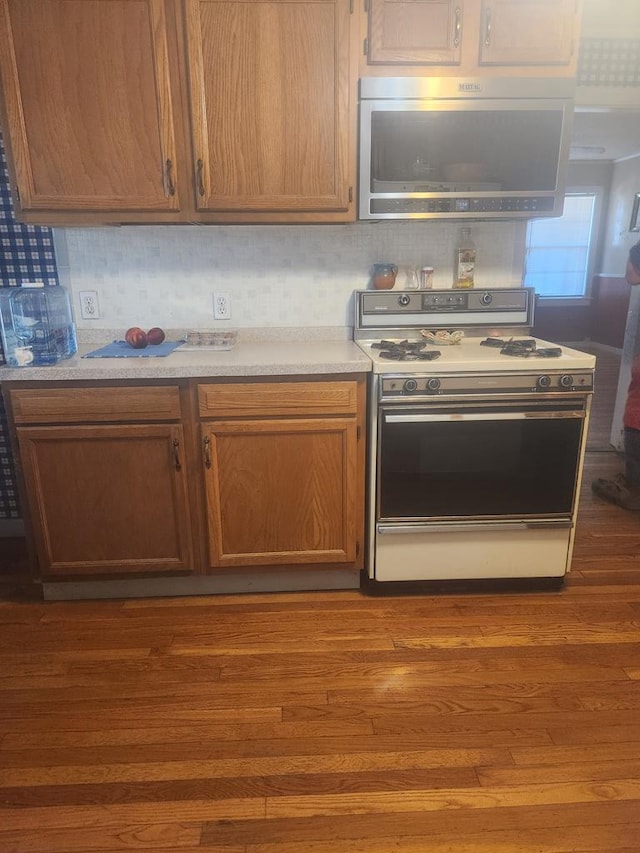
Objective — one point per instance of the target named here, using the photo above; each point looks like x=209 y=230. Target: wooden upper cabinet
x=527 y=32
x=88 y=104
x=463 y=37
x=269 y=90
x=427 y=32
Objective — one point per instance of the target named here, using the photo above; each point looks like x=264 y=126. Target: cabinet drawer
x=95 y=405
x=275 y=399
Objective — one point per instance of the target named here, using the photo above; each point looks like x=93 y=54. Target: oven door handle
x=480 y=416
x=488 y=527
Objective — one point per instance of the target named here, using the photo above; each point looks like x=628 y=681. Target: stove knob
x=566 y=381
x=433 y=384
x=544 y=381
x=486 y=299
x=410 y=386
x=404 y=299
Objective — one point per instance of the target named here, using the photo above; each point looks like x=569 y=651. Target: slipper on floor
x=617 y=491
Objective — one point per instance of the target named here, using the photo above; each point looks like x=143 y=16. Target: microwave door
x=454 y=158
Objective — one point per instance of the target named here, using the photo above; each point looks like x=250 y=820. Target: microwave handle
x=457 y=28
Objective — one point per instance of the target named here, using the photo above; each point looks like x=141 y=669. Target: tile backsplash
x=302 y=276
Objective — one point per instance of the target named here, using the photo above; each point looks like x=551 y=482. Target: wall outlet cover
x=89 y=306
x=221 y=306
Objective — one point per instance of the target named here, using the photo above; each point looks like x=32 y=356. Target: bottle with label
x=465 y=262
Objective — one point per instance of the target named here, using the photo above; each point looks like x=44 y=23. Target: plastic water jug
x=37 y=325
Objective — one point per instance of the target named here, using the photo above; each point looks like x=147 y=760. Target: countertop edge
x=245 y=359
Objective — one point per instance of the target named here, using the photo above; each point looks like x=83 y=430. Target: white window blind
x=558 y=250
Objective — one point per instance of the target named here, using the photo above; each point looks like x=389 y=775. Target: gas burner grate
x=522 y=348
x=406 y=345
x=405 y=351
x=403 y=355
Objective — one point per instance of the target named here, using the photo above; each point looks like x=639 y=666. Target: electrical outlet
x=89 y=308
x=221 y=306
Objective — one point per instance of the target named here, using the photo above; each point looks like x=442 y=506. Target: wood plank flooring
x=333 y=722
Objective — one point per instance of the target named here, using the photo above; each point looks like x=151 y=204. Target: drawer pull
x=487 y=28
x=176 y=455
x=200 y=166
x=458 y=27
x=170 y=187
x=207 y=451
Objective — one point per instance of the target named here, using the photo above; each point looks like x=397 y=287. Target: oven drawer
x=469 y=551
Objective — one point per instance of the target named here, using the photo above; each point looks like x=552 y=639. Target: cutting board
x=121 y=349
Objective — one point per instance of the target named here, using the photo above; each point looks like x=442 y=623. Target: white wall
x=302 y=276
x=625 y=183
x=594 y=175
x=604 y=19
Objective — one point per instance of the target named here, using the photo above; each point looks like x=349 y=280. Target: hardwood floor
x=607 y=538
x=333 y=722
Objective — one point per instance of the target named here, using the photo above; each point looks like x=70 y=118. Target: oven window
x=475 y=469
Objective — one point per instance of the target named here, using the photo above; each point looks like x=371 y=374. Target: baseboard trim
x=295 y=581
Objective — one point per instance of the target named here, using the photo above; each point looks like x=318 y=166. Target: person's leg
x=632 y=458
x=624 y=489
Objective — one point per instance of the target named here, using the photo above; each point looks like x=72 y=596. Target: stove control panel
x=418 y=385
x=385 y=309
x=476 y=300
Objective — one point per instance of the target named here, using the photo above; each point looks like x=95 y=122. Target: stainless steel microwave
x=472 y=148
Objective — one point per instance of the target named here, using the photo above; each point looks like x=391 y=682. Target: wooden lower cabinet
x=107 y=499
x=284 y=473
x=281 y=492
x=135 y=480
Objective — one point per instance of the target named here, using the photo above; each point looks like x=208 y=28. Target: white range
x=476 y=447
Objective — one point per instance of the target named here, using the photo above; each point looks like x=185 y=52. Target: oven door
x=477 y=489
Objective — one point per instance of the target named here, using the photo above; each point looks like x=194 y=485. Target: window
x=559 y=251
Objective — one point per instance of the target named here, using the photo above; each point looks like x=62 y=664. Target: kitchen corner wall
x=618 y=239
x=276 y=276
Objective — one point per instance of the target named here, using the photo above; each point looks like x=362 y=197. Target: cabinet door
x=269 y=90
x=527 y=32
x=88 y=104
x=426 y=32
x=282 y=491
x=107 y=499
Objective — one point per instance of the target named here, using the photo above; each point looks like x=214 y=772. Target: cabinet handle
x=207 y=451
x=176 y=454
x=200 y=166
x=457 y=27
x=170 y=187
x=487 y=28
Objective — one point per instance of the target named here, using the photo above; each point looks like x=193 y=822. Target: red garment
x=632 y=408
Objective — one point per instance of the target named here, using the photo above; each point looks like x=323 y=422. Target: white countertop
x=250 y=358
